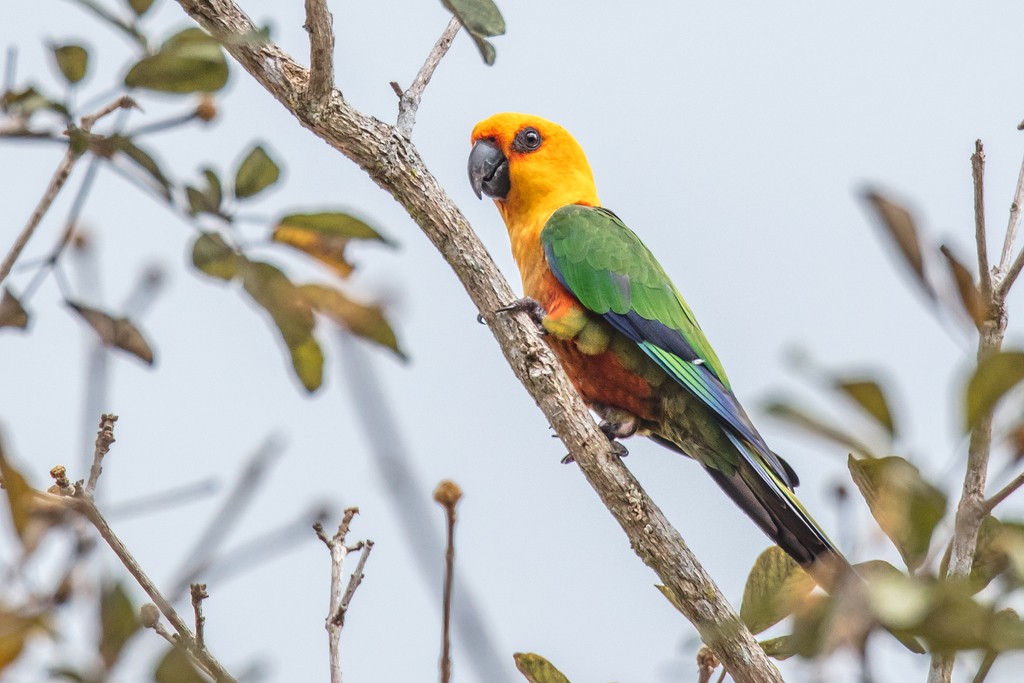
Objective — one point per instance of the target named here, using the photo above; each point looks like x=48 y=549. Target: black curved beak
x=488 y=171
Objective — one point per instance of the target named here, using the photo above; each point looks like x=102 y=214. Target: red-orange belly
x=602 y=379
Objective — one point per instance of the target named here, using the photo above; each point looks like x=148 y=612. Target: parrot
x=628 y=341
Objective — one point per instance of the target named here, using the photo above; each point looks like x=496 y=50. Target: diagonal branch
x=409 y=101
x=395 y=165
x=321 y=51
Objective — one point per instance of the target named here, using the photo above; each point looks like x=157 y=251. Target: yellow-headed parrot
x=628 y=341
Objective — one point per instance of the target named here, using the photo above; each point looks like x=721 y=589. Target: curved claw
x=529 y=306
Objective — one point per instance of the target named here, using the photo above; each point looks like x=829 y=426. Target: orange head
x=529 y=166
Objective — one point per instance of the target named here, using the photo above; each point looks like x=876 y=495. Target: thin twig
x=321 y=52
x=60 y=177
x=448 y=494
x=82 y=503
x=1004 y=492
x=1011 y=227
x=161 y=500
x=1011 y=276
x=978 y=174
x=198 y=593
x=104 y=437
x=410 y=99
x=354 y=580
x=339 y=600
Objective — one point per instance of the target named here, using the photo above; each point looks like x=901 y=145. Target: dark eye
x=527 y=140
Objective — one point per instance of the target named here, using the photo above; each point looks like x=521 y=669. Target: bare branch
x=409 y=101
x=1011 y=227
x=198 y=594
x=82 y=503
x=1004 y=493
x=60 y=177
x=339 y=601
x=104 y=437
x=447 y=494
x=321 y=52
x=978 y=174
x=57 y=182
x=395 y=165
x=1011 y=276
x=707 y=662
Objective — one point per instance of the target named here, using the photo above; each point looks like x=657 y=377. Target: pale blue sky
x=733 y=137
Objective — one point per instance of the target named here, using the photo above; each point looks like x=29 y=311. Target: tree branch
x=971 y=510
x=395 y=165
x=321 y=51
x=1004 y=493
x=447 y=495
x=978 y=174
x=104 y=437
x=1011 y=227
x=339 y=601
x=409 y=101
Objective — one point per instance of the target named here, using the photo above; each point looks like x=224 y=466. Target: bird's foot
x=614 y=431
x=530 y=307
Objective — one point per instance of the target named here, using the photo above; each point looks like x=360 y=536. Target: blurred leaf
x=118 y=622
x=207 y=200
x=869 y=395
x=897 y=600
x=482 y=19
x=291 y=313
x=25 y=103
x=998 y=544
x=970 y=297
x=176 y=667
x=12 y=313
x=72 y=60
x=996 y=375
x=214 y=190
x=189 y=61
x=212 y=255
x=256 y=173
x=143 y=160
x=906 y=507
x=14 y=631
x=308 y=361
x=364 y=321
x=324 y=236
x=66 y=672
x=775 y=586
x=779 y=648
x=901 y=228
x=19 y=496
x=140 y=7
x=671 y=597
x=118 y=333
x=783 y=410
x=536 y=669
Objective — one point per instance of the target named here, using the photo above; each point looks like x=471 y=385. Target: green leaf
x=190 y=61
x=72 y=60
x=775 y=587
x=117 y=333
x=118 y=622
x=140 y=7
x=12 y=313
x=901 y=228
x=324 y=236
x=206 y=200
x=906 y=507
x=361 y=320
x=331 y=223
x=536 y=669
x=212 y=255
x=292 y=315
x=143 y=160
x=782 y=409
x=779 y=648
x=869 y=396
x=996 y=375
x=176 y=667
x=256 y=173
x=214 y=191
x=1000 y=545
x=25 y=103
x=482 y=19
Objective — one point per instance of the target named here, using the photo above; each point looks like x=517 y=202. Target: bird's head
x=529 y=163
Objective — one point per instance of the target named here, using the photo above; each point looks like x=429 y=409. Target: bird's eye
x=527 y=140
